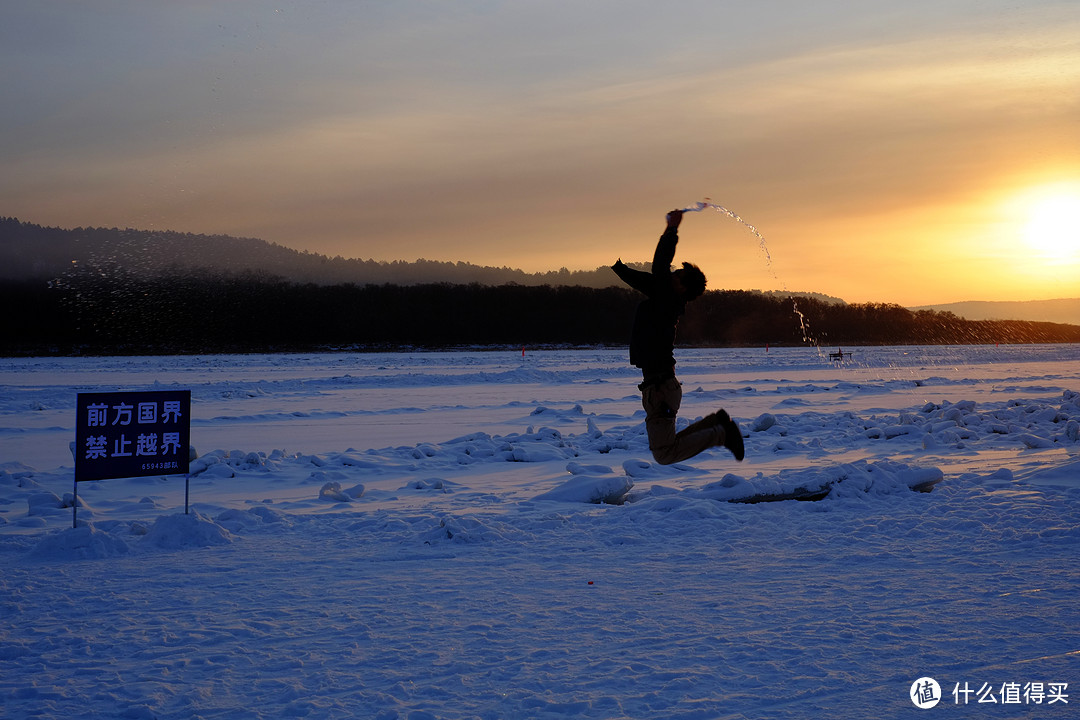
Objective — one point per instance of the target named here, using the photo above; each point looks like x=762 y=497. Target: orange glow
x=1052 y=229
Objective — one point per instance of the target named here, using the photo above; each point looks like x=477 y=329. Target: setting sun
x=1053 y=224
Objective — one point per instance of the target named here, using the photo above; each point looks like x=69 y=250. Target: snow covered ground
x=414 y=536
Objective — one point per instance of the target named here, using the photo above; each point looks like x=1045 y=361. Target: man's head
x=689 y=281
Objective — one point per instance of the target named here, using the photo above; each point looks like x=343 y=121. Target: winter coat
x=652 y=341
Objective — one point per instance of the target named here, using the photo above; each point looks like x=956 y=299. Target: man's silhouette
x=652 y=349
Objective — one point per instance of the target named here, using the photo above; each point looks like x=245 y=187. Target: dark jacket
x=652 y=342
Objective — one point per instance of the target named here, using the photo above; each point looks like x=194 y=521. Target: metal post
x=74 y=503
x=187 y=483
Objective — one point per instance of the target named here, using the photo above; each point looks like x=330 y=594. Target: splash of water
x=699 y=206
x=804 y=323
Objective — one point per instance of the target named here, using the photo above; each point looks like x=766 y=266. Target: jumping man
x=652 y=349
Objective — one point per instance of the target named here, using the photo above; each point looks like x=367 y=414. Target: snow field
x=478 y=577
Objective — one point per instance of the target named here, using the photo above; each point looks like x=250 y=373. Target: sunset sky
x=912 y=152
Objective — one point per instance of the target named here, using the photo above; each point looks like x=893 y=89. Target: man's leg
x=661 y=403
x=730 y=434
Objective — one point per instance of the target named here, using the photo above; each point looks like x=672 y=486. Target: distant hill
x=94 y=290
x=29 y=251
x=34 y=252
x=1065 y=310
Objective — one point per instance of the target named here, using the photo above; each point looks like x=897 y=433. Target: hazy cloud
x=547 y=134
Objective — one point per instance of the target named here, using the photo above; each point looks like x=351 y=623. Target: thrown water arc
x=708 y=204
x=804 y=324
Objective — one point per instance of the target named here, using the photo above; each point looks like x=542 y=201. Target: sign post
x=131 y=434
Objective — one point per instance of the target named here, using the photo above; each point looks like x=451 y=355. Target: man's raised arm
x=665 y=249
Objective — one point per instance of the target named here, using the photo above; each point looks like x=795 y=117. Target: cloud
x=446 y=131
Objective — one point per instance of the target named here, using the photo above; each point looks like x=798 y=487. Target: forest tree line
x=93 y=312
